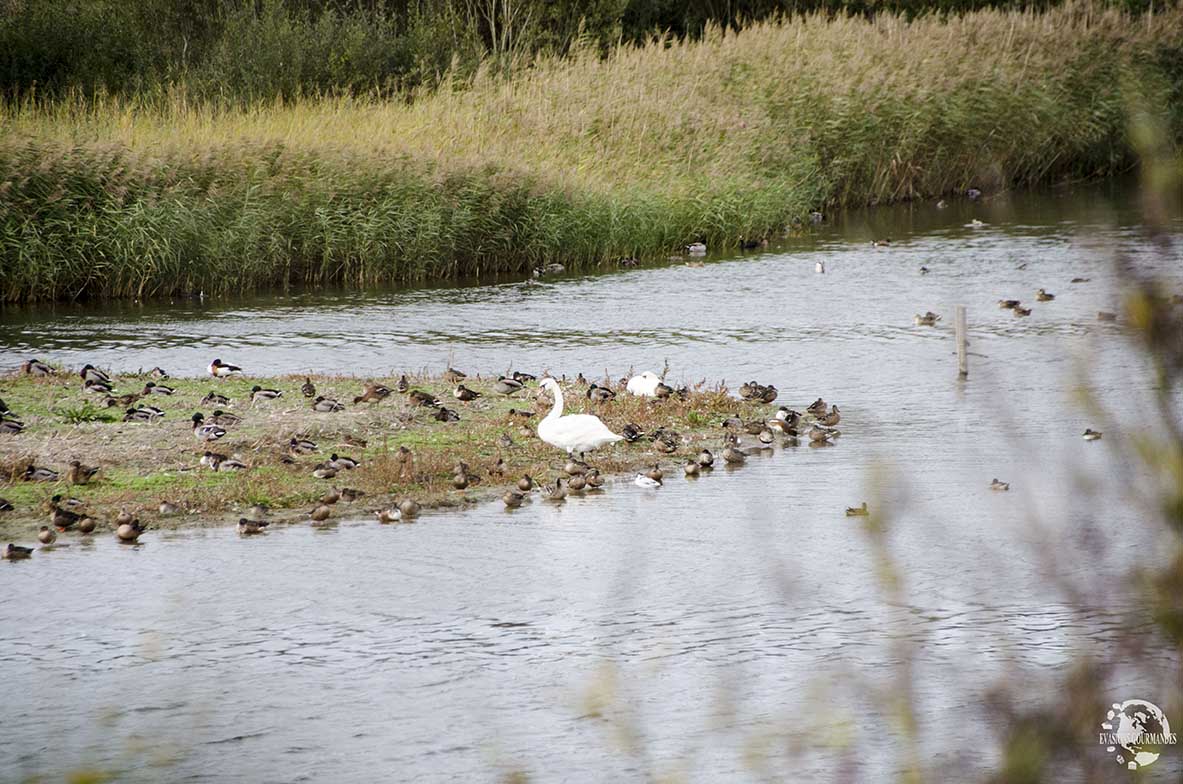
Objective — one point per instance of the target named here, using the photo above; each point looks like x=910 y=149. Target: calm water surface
x=729 y=628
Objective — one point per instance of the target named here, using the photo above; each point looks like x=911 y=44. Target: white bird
x=576 y=433
x=819 y=268
x=644 y=385
x=645 y=481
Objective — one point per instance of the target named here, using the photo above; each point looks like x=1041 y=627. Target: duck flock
x=575 y=434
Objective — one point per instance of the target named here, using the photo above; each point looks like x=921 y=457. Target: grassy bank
x=578 y=161
x=142 y=465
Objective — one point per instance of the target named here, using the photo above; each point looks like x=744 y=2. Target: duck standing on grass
x=576 y=433
x=219 y=369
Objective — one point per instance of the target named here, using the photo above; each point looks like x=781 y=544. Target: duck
x=388 y=515
x=1043 y=296
x=420 y=398
x=857 y=511
x=691 y=468
x=302 y=446
x=924 y=270
x=47 y=535
x=35 y=367
x=523 y=378
x=338 y=462
x=409 y=508
x=129 y=532
x=575 y=467
x=507 y=386
x=204 y=432
x=93 y=387
x=372 y=393
x=123 y=401
x=402 y=385
x=929 y=319
x=666 y=441
x=6 y=505
x=976 y=224
x=1091 y=435
x=643 y=384
x=464 y=394
x=219 y=369
x=87 y=525
x=1018 y=311
x=663 y=391
x=766 y=437
x=576 y=433
x=213 y=459
x=248 y=527
x=594 y=479
x=766 y=394
x=831 y=419
x=143 y=414
x=259 y=511
x=14 y=552
x=351 y=494
x=998 y=484
x=641 y=480
x=158 y=372
x=1080 y=280
x=79 y=474
x=326 y=405
x=526 y=483
x=512 y=499
x=224 y=418
x=655 y=473
x=11 y=427
x=445 y=414
x=40 y=474
x=331 y=497
x=883 y=243
x=152 y=388
x=353 y=440
x=555 y=492
x=705 y=458
x=320 y=513
x=258 y=394
x=817 y=407
x=505 y=441
x=1105 y=315
x=1008 y=304
x=232 y=464
x=577 y=483
x=599 y=394
x=732 y=454
x=461 y=481
x=454 y=376
x=696 y=248
x=513 y=413
x=818 y=434
x=123 y=517
x=167 y=509
x=308 y=389
x=214 y=399
x=632 y=432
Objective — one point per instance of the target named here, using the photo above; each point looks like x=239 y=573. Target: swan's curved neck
x=557 y=410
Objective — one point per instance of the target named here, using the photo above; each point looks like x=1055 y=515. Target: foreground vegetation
x=142 y=465
x=579 y=161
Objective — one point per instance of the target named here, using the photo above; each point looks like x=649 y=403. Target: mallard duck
x=445 y=415
x=129 y=533
x=326 y=405
x=302 y=446
x=420 y=398
x=691 y=468
x=555 y=492
x=766 y=394
x=40 y=474
x=10 y=427
x=594 y=479
x=705 y=458
x=666 y=441
x=1105 y=315
x=998 y=484
x=251 y=527
x=576 y=484
x=512 y=499
x=696 y=248
x=857 y=511
x=35 y=367
x=167 y=509
x=454 y=376
x=663 y=391
x=47 y=535
x=143 y=414
x=387 y=516
x=1043 y=296
x=507 y=386
x=929 y=319
x=465 y=394
x=747 y=389
x=522 y=378
x=219 y=369
x=338 y=462
x=259 y=394
x=1091 y=435
x=372 y=393
x=213 y=459
x=91 y=387
x=402 y=385
x=91 y=373
x=152 y=388
x=818 y=434
x=320 y=513
x=754 y=427
x=1019 y=311
x=214 y=399
x=599 y=394
x=1008 y=304
x=513 y=413
x=87 y=525
x=158 y=372
x=409 y=508
x=14 y=552
x=351 y=494
x=79 y=474
x=232 y=464
x=632 y=433
x=6 y=505
x=526 y=483
x=206 y=432
x=574 y=467
x=831 y=419
x=224 y=419
x=308 y=389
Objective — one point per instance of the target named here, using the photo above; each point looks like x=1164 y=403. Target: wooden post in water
x=959 y=332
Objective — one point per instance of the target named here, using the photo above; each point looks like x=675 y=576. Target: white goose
x=576 y=433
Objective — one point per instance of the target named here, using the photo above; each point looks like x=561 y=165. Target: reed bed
x=580 y=160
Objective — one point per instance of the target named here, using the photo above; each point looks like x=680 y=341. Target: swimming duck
x=1091 y=435
x=320 y=513
x=820 y=267
x=39 y=474
x=129 y=532
x=47 y=535
x=79 y=474
x=204 y=432
x=446 y=415
x=641 y=480
x=1104 y=315
x=214 y=399
x=10 y=427
x=696 y=248
x=225 y=419
x=251 y=527
x=817 y=407
x=599 y=394
x=308 y=389
x=1008 y=304
x=465 y=394
x=924 y=270
x=152 y=388
x=1022 y=311
x=14 y=552
x=372 y=393
x=655 y=473
x=92 y=387
x=258 y=394
x=454 y=376
x=219 y=369
x=35 y=367
x=402 y=385
x=302 y=446
x=732 y=454
x=643 y=385
x=998 y=484
x=705 y=458
x=507 y=386
x=526 y=483
x=1080 y=280
x=555 y=492
x=326 y=405
x=232 y=464
x=857 y=511
x=387 y=516
x=831 y=419
x=1043 y=296
x=420 y=398
x=632 y=433
x=409 y=508
x=766 y=436
x=523 y=378
x=691 y=468
x=929 y=319
x=213 y=459
x=337 y=462
x=512 y=499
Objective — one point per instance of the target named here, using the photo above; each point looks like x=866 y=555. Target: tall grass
x=578 y=160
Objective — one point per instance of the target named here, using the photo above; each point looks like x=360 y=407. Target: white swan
x=577 y=433
x=644 y=385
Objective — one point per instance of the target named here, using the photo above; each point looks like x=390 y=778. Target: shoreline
x=144 y=464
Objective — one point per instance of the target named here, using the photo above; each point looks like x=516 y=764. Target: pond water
x=729 y=628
